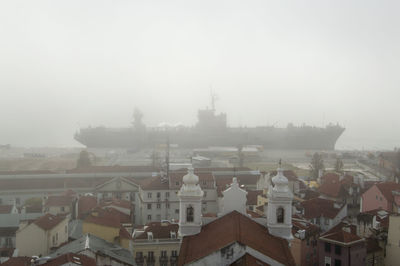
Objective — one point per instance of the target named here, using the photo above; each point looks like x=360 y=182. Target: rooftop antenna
x=167 y=156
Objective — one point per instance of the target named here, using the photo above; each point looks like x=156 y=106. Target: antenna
x=214 y=98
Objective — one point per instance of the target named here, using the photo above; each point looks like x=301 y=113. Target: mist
x=71 y=64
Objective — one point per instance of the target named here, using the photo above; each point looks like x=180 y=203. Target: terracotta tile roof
x=85 y=204
x=310 y=228
x=247 y=259
x=104 y=217
x=333 y=185
x=252 y=196
x=123 y=233
x=17 y=261
x=289 y=174
x=309 y=194
x=318 y=207
x=48 y=221
x=210 y=214
x=230 y=228
x=53 y=201
x=78 y=259
x=153 y=183
x=160 y=230
x=33 y=209
x=4 y=209
x=386 y=189
x=339 y=234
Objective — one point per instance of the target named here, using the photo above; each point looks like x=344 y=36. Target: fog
x=71 y=64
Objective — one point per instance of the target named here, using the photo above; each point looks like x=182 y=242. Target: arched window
x=189 y=214
x=280 y=215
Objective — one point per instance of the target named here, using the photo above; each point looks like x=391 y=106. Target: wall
x=107 y=233
x=31 y=240
x=373 y=199
x=393 y=242
x=156 y=246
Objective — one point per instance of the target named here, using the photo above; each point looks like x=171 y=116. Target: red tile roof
x=340 y=234
x=71 y=258
x=118 y=203
x=252 y=196
x=85 y=204
x=230 y=228
x=104 y=217
x=55 y=201
x=48 y=221
x=318 y=207
x=4 y=209
x=333 y=185
x=247 y=259
x=160 y=230
x=386 y=189
x=17 y=261
x=152 y=183
x=123 y=233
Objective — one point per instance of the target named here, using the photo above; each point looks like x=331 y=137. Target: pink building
x=384 y=195
x=340 y=246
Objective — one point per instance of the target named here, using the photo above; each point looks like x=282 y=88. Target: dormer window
x=149 y=235
x=280 y=215
x=173 y=235
x=189 y=214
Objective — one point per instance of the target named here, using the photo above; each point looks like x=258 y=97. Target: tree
x=84 y=160
x=316 y=165
x=338 y=165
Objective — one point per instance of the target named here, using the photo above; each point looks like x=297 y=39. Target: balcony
x=150 y=261
x=173 y=260
x=139 y=261
x=163 y=260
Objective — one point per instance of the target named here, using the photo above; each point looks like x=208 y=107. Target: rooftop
x=230 y=228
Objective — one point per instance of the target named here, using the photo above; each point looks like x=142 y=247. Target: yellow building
x=156 y=244
x=106 y=225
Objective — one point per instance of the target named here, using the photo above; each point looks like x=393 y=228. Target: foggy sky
x=71 y=64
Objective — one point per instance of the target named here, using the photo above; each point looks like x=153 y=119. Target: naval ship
x=211 y=129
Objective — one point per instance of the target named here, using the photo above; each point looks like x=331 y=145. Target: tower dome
x=190 y=183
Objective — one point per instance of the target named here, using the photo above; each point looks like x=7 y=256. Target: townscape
x=231 y=208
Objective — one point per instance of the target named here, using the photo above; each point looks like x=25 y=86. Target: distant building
x=383 y=195
x=340 y=246
x=393 y=241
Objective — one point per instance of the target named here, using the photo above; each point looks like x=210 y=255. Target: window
x=8 y=242
x=149 y=217
x=280 y=215
x=54 y=240
x=327 y=247
x=338 y=250
x=189 y=214
x=167 y=194
x=149 y=195
x=338 y=262
x=139 y=255
x=205 y=193
x=204 y=183
x=176 y=210
x=62 y=208
x=163 y=253
x=317 y=220
x=158 y=194
x=376 y=196
x=177 y=183
x=158 y=217
x=149 y=206
x=167 y=205
x=158 y=206
x=150 y=255
x=174 y=253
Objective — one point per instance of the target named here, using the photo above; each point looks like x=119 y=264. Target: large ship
x=210 y=130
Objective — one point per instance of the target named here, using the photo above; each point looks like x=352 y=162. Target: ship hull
x=300 y=138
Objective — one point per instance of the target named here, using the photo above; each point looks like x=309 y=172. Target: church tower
x=279 y=212
x=190 y=196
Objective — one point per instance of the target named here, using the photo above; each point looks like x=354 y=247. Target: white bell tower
x=279 y=212
x=190 y=196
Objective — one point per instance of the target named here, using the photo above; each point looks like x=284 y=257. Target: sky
x=78 y=63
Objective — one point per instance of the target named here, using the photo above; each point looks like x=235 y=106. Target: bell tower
x=279 y=212
x=190 y=196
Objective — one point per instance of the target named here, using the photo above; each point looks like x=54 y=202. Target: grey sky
x=66 y=64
